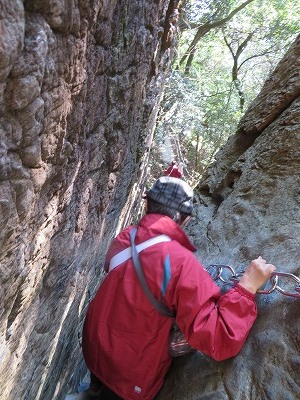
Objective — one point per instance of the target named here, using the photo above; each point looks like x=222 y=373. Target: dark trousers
x=104 y=392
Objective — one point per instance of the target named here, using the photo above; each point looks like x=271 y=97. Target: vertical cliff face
x=249 y=205
x=80 y=84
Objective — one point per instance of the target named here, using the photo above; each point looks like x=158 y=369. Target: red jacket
x=125 y=340
x=173 y=171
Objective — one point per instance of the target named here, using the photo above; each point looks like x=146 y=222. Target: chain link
x=227 y=275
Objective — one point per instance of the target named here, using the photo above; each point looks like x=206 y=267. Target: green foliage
x=200 y=12
x=202 y=109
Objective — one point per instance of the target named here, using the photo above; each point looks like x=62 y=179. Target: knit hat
x=172 y=192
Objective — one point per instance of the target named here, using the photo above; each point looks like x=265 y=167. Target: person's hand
x=256 y=274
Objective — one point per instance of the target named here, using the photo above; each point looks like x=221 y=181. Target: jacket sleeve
x=215 y=324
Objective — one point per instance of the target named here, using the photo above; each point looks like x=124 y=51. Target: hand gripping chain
x=227 y=275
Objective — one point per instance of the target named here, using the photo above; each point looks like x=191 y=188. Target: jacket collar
x=157 y=224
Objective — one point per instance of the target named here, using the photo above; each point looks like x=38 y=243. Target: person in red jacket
x=174 y=170
x=125 y=339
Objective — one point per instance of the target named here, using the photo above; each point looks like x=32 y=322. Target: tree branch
x=203 y=30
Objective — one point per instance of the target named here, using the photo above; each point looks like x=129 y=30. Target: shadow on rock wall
x=80 y=87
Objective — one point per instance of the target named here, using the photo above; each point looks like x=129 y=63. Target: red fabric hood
x=157 y=224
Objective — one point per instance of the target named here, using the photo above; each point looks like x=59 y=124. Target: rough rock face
x=249 y=205
x=80 y=85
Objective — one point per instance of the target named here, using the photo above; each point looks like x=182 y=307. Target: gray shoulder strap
x=138 y=268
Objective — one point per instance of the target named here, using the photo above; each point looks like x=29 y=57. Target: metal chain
x=227 y=275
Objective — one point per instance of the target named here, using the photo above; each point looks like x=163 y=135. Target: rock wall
x=249 y=205
x=80 y=84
